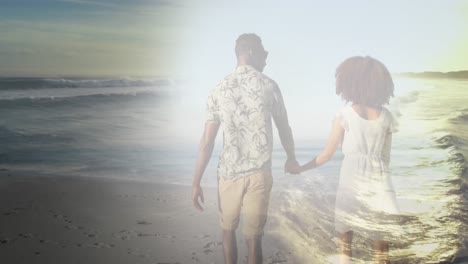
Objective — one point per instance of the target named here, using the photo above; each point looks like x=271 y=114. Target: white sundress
x=365 y=197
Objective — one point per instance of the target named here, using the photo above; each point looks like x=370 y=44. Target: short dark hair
x=247 y=42
x=364 y=80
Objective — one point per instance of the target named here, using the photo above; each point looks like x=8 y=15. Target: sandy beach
x=57 y=219
x=68 y=219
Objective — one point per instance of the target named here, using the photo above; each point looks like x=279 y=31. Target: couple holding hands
x=246 y=101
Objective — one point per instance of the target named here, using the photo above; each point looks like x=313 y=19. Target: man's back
x=244 y=102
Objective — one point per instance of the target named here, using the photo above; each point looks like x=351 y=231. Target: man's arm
x=286 y=138
x=280 y=116
x=205 y=150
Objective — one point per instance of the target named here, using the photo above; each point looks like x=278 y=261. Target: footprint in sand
x=137 y=252
x=47 y=241
x=167 y=236
x=141 y=234
x=69 y=223
x=90 y=235
x=143 y=222
x=194 y=256
x=65 y=219
x=28 y=235
x=71 y=227
x=126 y=234
x=201 y=236
x=211 y=246
x=59 y=216
x=278 y=257
x=14 y=211
x=99 y=245
x=134 y=196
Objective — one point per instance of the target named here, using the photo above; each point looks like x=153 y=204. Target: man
x=244 y=103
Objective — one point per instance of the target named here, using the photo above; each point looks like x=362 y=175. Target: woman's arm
x=335 y=138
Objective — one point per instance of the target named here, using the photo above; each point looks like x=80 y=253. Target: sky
x=88 y=37
x=177 y=37
x=405 y=35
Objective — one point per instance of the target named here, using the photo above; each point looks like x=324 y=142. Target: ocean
x=129 y=128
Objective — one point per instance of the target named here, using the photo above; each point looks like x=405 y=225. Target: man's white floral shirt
x=244 y=103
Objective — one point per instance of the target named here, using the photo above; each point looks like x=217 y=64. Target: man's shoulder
x=268 y=81
x=227 y=80
x=232 y=79
x=221 y=85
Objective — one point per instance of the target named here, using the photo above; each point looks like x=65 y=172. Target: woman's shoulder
x=390 y=119
x=344 y=109
x=342 y=116
x=389 y=116
x=342 y=112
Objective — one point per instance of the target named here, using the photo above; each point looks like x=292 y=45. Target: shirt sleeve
x=280 y=116
x=212 y=109
x=340 y=117
x=278 y=110
x=393 y=127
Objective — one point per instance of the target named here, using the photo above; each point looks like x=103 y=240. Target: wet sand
x=59 y=219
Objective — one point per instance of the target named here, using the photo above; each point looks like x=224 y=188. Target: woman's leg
x=380 y=248
x=344 y=247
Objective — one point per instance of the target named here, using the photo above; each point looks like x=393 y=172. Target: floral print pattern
x=244 y=103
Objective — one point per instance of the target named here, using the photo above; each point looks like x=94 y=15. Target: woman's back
x=366 y=135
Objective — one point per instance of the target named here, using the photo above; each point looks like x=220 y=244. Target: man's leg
x=229 y=246
x=344 y=247
x=230 y=195
x=380 y=249
x=254 y=248
x=254 y=211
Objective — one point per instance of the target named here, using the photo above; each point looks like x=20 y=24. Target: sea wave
x=411 y=97
x=11 y=137
x=460 y=117
x=446 y=141
x=455 y=156
x=26 y=147
x=82 y=100
x=43 y=83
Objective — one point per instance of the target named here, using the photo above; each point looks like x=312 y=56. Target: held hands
x=197 y=192
x=297 y=169
x=292 y=166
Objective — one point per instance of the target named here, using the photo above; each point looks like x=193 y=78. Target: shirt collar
x=244 y=68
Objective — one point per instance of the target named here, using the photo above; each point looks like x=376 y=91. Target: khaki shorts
x=251 y=194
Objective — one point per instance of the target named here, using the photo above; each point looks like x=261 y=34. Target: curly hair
x=364 y=80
